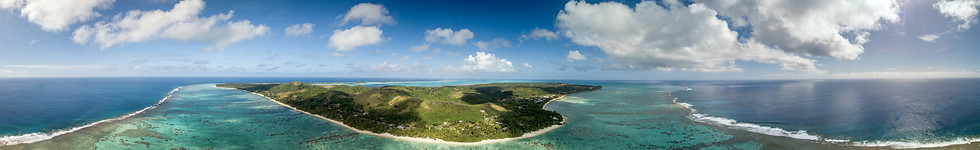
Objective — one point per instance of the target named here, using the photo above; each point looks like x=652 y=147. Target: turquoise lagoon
x=623 y=115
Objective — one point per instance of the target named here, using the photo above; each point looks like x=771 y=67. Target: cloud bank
x=57 y=15
x=694 y=37
x=180 y=23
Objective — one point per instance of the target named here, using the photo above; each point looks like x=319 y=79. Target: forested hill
x=468 y=113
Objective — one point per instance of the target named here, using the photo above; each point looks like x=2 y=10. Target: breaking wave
x=40 y=136
x=802 y=134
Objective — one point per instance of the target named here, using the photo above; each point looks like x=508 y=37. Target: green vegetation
x=453 y=113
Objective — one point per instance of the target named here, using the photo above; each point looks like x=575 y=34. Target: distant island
x=458 y=114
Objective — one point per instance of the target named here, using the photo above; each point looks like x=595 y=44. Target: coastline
x=41 y=136
x=424 y=140
x=803 y=135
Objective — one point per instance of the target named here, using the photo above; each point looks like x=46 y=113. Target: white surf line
x=424 y=140
x=40 y=136
x=915 y=144
x=754 y=128
x=801 y=134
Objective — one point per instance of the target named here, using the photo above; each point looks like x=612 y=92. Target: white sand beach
x=426 y=140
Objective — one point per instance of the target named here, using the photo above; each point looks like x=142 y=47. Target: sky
x=601 y=40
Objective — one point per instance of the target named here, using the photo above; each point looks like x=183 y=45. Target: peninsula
x=461 y=114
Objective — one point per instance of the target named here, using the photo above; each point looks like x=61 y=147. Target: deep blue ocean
x=623 y=115
x=869 y=110
x=29 y=105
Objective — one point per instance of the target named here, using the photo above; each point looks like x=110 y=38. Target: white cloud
x=931 y=38
x=436 y=50
x=57 y=15
x=406 y=57
x=818 y=28
x=651 y=37
x=448 y=36
x=574 y=55
x=528 y=66
x=493 y=44
x=337 y=54
x=180 y=23
x=539 y=33
x=960 y=10
x=33 y=42
x=486 y=62
x=299 y=30
x=8 y=4
x=368 y=14
x=420 y=48
x=352 y=38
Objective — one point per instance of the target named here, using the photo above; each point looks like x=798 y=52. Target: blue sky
x=651 y=40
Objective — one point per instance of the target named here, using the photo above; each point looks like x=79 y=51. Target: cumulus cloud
x=299 y=30
x=493 y=44
x=964 y=11
x=574 y=55
x=368 y=14
x=539 y=33
x=931 y=38
x=651 y=37
x=486 y=62
x=57 y=15
x=818 y=28
x=180 y=23
x=347 y=40
x=448 y=36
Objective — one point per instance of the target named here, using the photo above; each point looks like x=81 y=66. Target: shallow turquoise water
x=621 y=116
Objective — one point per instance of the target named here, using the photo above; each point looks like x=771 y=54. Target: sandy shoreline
x=424 y=140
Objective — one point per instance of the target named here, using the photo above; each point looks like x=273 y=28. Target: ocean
x=192 y=113
x=908 y=113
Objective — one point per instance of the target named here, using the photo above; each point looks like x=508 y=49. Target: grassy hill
x=453 y=113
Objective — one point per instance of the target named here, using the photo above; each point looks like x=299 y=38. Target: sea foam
x=915 y=144
x=802 y=134
x=39 y=136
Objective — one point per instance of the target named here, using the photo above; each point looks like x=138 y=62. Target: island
x=457 y=114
